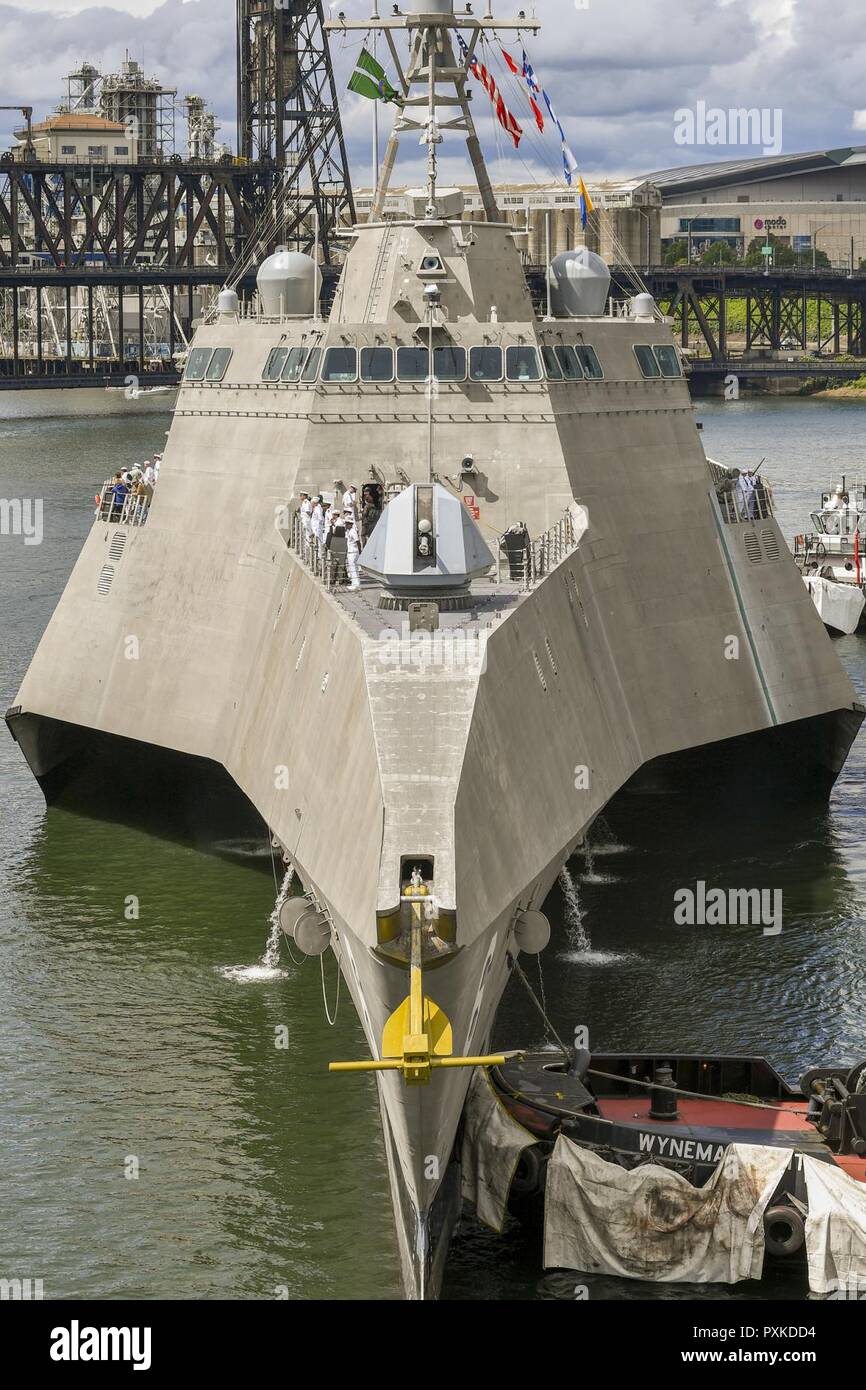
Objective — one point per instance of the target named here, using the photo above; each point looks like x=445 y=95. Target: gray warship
x=553 y=606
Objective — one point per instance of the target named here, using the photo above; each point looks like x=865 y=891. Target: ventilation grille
x=115 y=550
x=553 y=664
x=753 y=547
x=106 y=576
x=771 y=544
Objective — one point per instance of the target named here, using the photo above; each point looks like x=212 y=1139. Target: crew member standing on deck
x=306 y=510
x=744 y=493
x=353 y=550
x=317 y=521
x=350 y=501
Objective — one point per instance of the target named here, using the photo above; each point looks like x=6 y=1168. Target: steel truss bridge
x=821 y=314
x=80 y=247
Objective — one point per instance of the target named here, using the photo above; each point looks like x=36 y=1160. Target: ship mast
x=429 y=24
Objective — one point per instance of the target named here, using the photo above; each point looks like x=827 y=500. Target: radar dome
x=430 y=6
x=579 y=282
x=643 y=306
x=288 y=283
x=227 y=303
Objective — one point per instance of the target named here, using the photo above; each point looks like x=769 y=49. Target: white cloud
x=616 y=72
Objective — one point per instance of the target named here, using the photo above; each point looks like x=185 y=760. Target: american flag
x=509 y=122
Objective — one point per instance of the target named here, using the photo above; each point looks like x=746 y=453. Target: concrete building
x=80 y=137
x=626 y=220
x=813 y=200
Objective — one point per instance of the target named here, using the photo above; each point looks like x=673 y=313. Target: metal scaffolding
x=143 y=105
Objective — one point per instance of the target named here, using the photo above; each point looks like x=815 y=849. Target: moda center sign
x=770 y=224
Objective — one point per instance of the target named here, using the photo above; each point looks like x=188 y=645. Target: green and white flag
x=370 y=80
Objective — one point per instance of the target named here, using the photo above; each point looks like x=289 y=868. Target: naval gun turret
x=426 y=547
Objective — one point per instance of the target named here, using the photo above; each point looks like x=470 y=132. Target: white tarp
x=839 y=605
x=835 y=1230
x=651 y=1223
x=492 y=1145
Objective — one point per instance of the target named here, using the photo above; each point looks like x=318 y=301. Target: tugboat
x=552 y=600
x=831 y=558
x=681 y=1113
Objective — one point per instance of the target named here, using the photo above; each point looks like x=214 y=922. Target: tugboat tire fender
x=855 y=1081
x=784 y=1232
x=528 y=1173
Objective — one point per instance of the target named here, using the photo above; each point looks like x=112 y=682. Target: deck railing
x=131 y=511
x=525 y=560
x=736 y=505
x=520 y=559
x=325 y=563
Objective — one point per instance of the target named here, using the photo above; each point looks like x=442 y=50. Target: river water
x=168 y=1128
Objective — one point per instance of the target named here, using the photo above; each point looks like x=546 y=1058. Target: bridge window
x=485 y=363
x=588 y=360
x=377 y=364
x=275 y=363
x=667 y=358
x=413 y=363
x=521 y=364
x=551 y=365
x=311 y=370
x=449 y=363
x=196 y=365
x=218 y=364
x=646 y=360
x=294 y=363
x=341 y=364
x=568 y=363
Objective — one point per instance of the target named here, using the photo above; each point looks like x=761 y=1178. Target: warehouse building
x=625 y=222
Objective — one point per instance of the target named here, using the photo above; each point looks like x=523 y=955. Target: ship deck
x=491 y=601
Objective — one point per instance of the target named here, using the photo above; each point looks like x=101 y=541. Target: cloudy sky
x=617 y=70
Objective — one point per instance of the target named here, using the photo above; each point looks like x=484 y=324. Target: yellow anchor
x=417 y=1036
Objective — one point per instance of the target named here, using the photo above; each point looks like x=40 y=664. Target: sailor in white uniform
x=317 y=519
x=353 y=550
x=306 y=510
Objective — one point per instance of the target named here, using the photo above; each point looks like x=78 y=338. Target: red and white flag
x=506 y=119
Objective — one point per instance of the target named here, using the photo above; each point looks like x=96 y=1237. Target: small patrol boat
x=831 y=558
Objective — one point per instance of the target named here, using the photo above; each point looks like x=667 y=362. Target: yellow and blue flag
x=585 y=201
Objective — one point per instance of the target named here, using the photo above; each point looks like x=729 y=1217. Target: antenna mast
x=429 y=24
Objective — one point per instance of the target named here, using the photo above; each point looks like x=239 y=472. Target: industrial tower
x=288 y=117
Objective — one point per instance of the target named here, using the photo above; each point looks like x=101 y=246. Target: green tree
x=782 y=255
x=719 y=253
x=804 y=260
x=677 y=252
